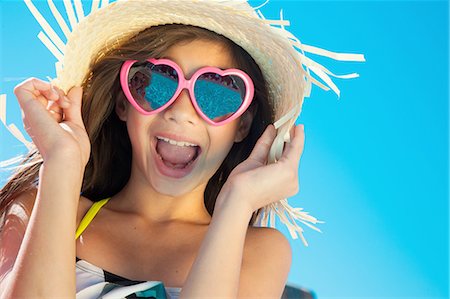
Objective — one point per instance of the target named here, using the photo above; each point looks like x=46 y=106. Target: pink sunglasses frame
x=183 y=83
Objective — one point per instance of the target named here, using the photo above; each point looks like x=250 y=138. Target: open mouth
x=176 y=155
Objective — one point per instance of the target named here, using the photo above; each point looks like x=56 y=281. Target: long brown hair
x=101 y=90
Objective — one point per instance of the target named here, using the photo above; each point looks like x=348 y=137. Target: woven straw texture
x=279 y=54
x=106 y=28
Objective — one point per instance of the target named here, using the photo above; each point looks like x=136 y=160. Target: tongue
x=175 y=154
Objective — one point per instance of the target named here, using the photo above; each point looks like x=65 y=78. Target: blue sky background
x=375 y=164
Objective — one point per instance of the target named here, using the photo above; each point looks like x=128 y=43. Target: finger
x=38 y=121
x=41 y=99
x=56 y=111
x=60 y=102
x=45 y=96
x=58 y=116
x=73 y=112
x=63 y=101
x=294 y=149
x=262 y=146
x=31 y=88
x=50 y=94
x=291 y=135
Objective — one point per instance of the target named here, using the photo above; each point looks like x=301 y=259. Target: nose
x=181 y=110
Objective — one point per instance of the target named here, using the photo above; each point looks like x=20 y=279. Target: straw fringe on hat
x=279 y=54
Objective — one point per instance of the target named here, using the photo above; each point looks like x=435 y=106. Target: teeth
x=174 y=142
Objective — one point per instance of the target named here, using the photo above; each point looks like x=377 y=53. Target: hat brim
x=111 y=25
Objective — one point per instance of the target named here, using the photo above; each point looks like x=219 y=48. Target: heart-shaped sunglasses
x=218 y=96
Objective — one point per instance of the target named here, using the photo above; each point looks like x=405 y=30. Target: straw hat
x=279 y=54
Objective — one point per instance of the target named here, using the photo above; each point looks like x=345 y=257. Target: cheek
x=222 y=139
x=137 y=130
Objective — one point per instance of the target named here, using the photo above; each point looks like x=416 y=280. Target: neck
x=140 y=197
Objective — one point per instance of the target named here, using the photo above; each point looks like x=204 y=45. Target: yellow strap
x=96 y=206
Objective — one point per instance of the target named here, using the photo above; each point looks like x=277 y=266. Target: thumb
x=262 y=147
x=73 y=112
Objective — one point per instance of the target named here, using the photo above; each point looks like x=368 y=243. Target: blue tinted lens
x=151 y=85
x=219 y=97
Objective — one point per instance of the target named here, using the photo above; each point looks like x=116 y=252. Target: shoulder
x=13 y=222
x=264 y=233
x=266 y=263
x=13 y=225
x=270 y=244
x=22 y=205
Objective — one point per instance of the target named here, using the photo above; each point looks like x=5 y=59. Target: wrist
x=231 y=199
x=64 y=166
x=68 y=160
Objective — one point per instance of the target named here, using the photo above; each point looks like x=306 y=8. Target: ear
x=121 y=108
x=245 y=123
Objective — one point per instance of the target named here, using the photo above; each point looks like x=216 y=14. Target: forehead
x=192 y=55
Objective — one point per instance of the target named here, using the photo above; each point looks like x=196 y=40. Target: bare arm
x=40 y=250
x=45 y=263
x=218 y=273
x=217 y=267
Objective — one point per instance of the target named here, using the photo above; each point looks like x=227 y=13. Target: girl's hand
x=53 y=120
x=259 y=184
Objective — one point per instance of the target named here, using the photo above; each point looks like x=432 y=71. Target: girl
x=164 y=124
